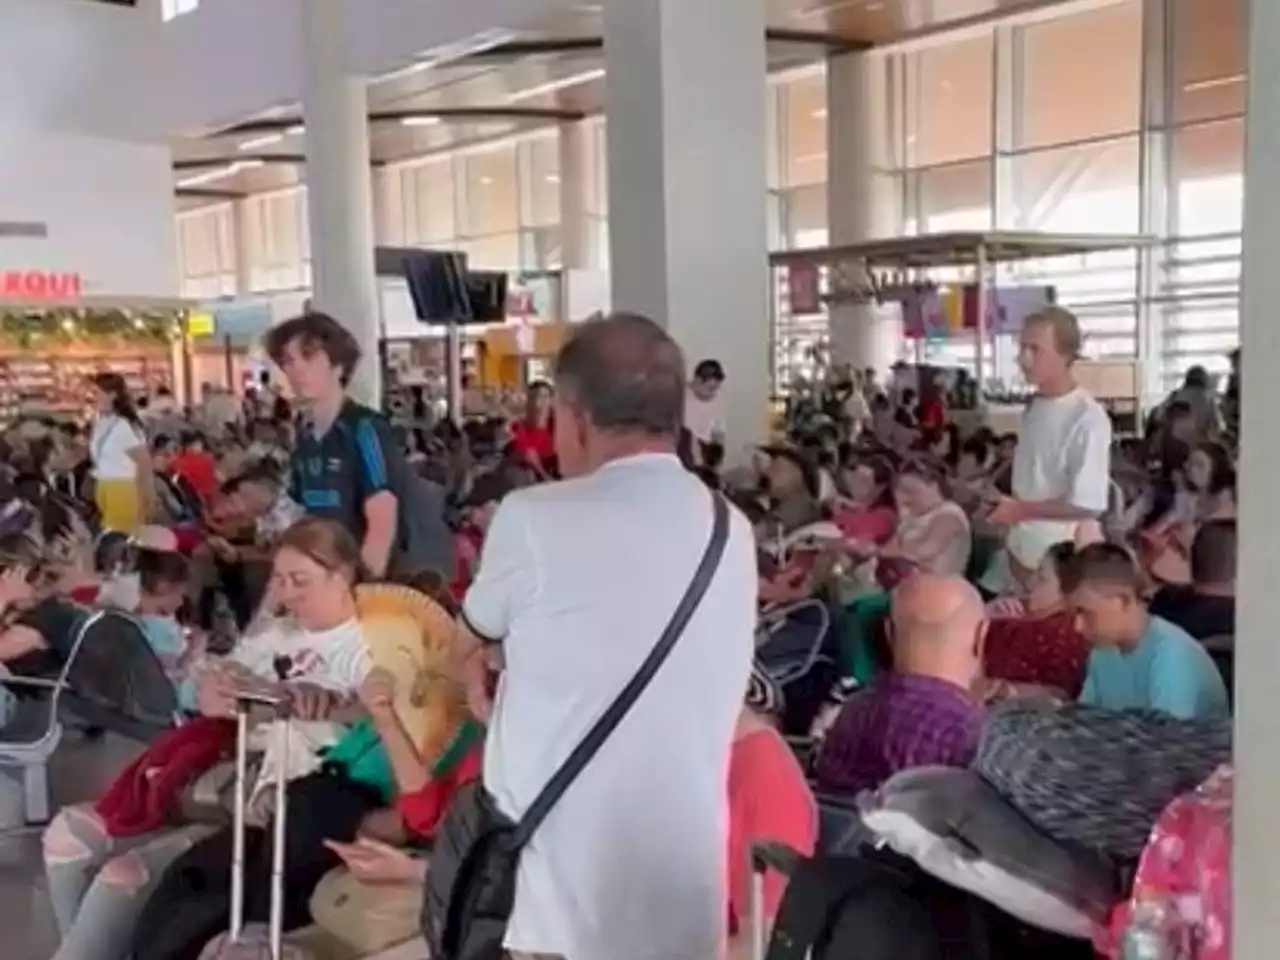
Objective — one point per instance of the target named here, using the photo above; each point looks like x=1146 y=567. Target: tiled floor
x=80 y=771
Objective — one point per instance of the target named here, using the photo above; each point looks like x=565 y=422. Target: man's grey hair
x=625 y=373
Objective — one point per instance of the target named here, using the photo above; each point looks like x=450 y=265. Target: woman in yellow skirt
x=119 y=457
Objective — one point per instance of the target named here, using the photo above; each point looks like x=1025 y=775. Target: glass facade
x=1007 y=127
x=1013 y=129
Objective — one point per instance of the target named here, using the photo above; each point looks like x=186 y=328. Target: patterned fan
x=409 y=636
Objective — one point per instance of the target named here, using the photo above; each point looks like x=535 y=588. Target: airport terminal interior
x=880 y=199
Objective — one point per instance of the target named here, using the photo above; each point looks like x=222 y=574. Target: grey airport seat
x=111 y=680
x=33 y=731
x=791 y=639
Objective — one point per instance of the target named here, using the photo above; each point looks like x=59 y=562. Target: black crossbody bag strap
x=615 y=712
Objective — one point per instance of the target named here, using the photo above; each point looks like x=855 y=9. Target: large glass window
x=952 y=197
x=805 y=214
x=497 y=252
x=1091 y=188
x=803 y=104
x=1209 y=57
x=279 y=245
x=1081 y=75
x=949 y=102
x=430 y=202
x=1208 y=178
x=206 y=252
x=541 y=181
x=492 y=192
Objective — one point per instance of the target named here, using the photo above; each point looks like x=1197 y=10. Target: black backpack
x=423 y=539
x=876 y=905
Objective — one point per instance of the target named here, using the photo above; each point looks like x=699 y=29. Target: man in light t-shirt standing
x=577 y=580
x=1062 y=466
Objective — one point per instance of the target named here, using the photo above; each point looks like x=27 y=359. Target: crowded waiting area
x=656 y=480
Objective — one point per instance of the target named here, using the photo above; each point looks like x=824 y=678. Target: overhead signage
x=200 y=324
x=39 y=285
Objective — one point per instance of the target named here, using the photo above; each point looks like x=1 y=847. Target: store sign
x=39 y=285
x=200 y=325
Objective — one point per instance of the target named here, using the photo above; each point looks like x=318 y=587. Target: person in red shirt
x=867 y=514
x=1032 y=644
x=196 y=466
x=769 y=802
x=531 y=437
x=932 y=411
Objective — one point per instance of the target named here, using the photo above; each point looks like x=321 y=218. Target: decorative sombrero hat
x=409 y=636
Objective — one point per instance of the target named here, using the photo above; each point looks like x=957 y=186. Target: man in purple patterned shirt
x=923 y=712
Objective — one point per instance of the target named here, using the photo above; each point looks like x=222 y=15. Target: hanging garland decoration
x=63 y=326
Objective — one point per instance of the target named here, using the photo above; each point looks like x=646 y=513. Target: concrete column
x=862 y=198
x=575 y=196
x=388 y=207
x=1155 y=216
x=686 y=146
x=1256 y=855
x=340 y=188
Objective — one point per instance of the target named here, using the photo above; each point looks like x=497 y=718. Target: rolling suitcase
x=254 y=941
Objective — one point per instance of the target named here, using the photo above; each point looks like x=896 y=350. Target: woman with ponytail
x=119 y=457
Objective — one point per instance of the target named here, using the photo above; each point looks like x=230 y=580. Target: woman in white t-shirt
x=316 y=652
x=119 y=457
x=99 y=885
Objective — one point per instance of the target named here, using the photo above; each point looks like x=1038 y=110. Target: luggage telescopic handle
x=774 y=856
x=245 y=700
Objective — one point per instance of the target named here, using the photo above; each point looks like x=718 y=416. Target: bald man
x=923 y=712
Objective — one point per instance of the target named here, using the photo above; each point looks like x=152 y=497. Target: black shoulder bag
x=471 y=884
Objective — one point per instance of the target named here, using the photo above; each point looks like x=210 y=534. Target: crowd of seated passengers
x=1101 y=594
x=1037 y=642
x=317 y=658
x=928 y=708
x=163 y=893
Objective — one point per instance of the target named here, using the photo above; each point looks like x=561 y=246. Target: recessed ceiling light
x=258 y=143
x=820 y=113
x=553 y=86
x=486 y=181
x=1212 y=83
x=553 y=178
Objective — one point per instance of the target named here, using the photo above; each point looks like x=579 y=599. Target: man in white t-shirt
x=576 y=583
x=703 y=417
x=1062 y=465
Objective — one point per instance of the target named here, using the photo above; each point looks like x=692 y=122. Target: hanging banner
x=953 y=311
x=804 y=289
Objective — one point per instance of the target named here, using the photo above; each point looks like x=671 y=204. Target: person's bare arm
x=1009 y=511
x=471 y=663
x=18 y=641
x=381 y=517
x=938 y=536
x=378 y=695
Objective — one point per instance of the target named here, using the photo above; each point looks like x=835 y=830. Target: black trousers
x=193 y=902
